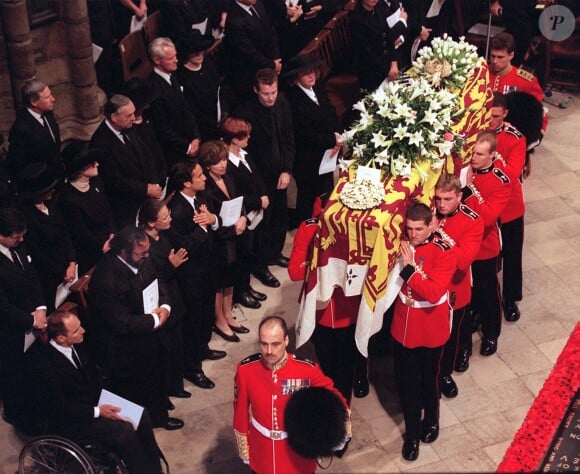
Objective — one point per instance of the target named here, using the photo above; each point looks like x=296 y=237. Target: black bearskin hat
x=525 y=113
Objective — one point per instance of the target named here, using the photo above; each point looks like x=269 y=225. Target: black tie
x=254 y=12
x=175 y=83
x=16 y=258
x=76 y=359
x=47 y=125
x=126 y=137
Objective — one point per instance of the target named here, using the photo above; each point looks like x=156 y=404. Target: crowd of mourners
x=181 y=195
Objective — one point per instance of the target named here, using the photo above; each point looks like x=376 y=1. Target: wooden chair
x=563 y=60
x=79 y=290
x=152 y=27
x=135 y=61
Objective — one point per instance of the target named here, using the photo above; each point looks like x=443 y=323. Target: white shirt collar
x=135 y=270
x=114 y=130
x=36 y=115
x=6 y=251
x=189 y=199
x=236 y=160
x=65 y=351
x=164 y=75
x=310 y=93
x=245 y=7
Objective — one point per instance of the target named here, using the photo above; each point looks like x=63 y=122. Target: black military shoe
x=430 y=433
x=511 y=312
x=245 y=298
x=267 y=278
x=462 y=361
x=488 y=346
x=257 y=295
x=360 y=387
x=410 y=450
x=448 y=386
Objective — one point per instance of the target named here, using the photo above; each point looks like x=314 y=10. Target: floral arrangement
x=400 y=125
x=446 y=63
x=362 y=194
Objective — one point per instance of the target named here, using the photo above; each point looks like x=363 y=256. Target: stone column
x=82 y=68
x=16 y=28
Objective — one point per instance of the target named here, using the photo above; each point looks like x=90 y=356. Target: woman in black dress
x=47 y=238
x=156 y=219
x=219 y=187
x=85 y=207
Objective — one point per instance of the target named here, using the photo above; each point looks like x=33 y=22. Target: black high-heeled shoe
x=227 y=337
x=239 y=329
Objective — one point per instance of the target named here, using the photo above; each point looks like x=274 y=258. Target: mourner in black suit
x=272 y=148
x=129 y=172
x=69 y=386
x=316 y=129
x=47 y=239
x=201 y=84
x=155 y=217
x=85 y=206
x=374 y=42
x=35 y=135
x=249 y=183
x=195 y=224
x=129 y=335
x=251 y=44
x=22 y=308
x=231 y=240
x=173 y=117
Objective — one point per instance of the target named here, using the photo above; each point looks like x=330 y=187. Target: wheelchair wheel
x=54 y=454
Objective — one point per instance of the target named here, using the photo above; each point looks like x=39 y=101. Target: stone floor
x=494 y=394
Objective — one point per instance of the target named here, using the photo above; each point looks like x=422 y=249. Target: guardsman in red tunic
x=462 y=226
x=511 y=145
x=421 y=326
x=333 y=337
x=264 y=383
x=488 y=192
x=503 y=76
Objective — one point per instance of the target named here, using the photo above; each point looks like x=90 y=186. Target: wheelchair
x=55 y=454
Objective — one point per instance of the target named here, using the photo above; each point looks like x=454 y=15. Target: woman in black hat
x=47 y=238
x=201 y=83
x=316 y=129
x=85 y=206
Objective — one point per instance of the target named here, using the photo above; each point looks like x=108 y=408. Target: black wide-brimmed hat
x=315 y=419
x=140 y=92
x=299 y=64
x=77 y=156
x=194 y=42
x=36 y=179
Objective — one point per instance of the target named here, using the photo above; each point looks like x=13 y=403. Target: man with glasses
x=22 y=309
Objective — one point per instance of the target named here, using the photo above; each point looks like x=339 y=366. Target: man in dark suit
x=35 y=136
x=172 y=115
x=22 y=308
x=128 y=173
x=251 y=43
x=316 y=128
x=194 y=224
x=272 y=148
x=69 y=386
x=122 y=282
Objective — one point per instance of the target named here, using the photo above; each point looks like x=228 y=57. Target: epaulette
x=443 y=244
x=527 y=75
x=468 y=211
x=445 y=236
x=311 y=221
x=499 y=174
x=499 y=157
x=509 y=128
x=252 y=358
x=303 y=359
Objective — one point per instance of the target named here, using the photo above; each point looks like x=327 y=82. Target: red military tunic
x=517 y=79
x=426 y=284
x=511 y=145
x=341 y=311
x=262 y=393
x=488 y=195
x=464 y=228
